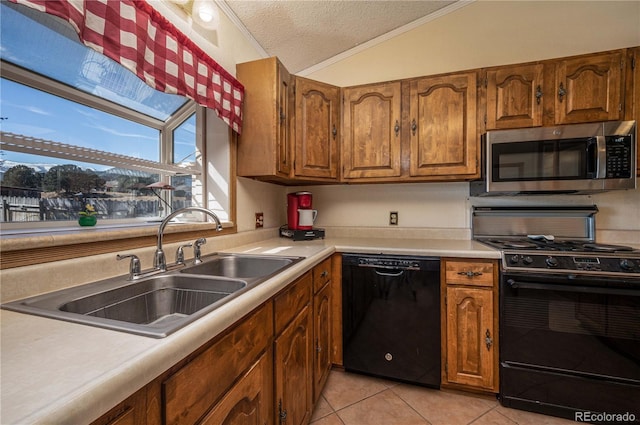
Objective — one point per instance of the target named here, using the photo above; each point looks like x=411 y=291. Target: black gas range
x=545 y=253
x=569 y=314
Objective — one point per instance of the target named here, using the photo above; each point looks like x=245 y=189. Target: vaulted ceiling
x=305 y=33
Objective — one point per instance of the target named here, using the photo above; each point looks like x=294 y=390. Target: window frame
x=22 y=247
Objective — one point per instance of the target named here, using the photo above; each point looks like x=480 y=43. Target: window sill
x=27 y=247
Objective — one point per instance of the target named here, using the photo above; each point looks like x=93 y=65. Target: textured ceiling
x=304 y=33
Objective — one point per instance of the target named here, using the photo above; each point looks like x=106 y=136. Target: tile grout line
x=410 y=406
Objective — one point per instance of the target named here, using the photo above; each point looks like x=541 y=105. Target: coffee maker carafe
x=300 y=215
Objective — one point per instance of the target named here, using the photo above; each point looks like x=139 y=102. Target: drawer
x=289 y=303
x=470 y=272
x=321 y=275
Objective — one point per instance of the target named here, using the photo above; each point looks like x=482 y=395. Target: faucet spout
x=159 y=260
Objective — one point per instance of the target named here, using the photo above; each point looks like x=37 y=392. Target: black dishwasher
x=391 y=317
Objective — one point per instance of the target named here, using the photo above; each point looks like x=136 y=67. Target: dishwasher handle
x=392 y=273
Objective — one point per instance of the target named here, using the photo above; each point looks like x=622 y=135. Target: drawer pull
x=470 y=274
x=324 y=274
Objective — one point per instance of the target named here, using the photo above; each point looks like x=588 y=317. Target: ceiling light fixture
x=206 y=14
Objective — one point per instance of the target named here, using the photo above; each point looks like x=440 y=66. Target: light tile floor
x=352 y=399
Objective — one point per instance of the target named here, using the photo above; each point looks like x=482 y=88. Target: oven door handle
x=570 y=288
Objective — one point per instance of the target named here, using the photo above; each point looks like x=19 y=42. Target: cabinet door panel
x=444 y=137
x=249 y=401
x=371 y=136
x=322 y=335
x=469 y=324
x=293 y=372
x=285 y=97
x=514 y=97
x=589 y=89
x=316 y=129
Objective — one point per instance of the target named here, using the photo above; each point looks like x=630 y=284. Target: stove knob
x=627 y=264
x=527 y=260
x=551 y=262
x=514 y=259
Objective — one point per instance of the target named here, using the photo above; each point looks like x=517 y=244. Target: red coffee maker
x=297 y=201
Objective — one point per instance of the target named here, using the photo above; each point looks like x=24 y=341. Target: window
x=78 y=128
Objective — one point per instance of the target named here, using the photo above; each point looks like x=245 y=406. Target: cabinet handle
x=561 y=92
x=413 y=126
x=397 y=128
x=538 y=94
x=324 y=274
x=470 y=274
x=334 y=131
x=488 y=340
x=282 y=414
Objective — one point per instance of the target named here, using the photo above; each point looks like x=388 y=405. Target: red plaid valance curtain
x=135 y=35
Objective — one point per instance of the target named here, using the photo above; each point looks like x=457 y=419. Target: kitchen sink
x=156 y=306
x=161 y=304
x=242 y=266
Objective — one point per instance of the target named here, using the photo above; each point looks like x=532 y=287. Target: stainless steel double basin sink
x=161 y=304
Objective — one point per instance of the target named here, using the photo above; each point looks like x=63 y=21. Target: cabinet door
x=322 y=344
x=293 y=372
x=514 y=97
x=442 y=111
x=317 y=107
x=589 y=88
x=263 y=148
x=249 y=400
x=284 y=95
x=371 y=136
x=470 y=334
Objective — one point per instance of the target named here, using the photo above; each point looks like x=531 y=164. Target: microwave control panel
x=619 y=157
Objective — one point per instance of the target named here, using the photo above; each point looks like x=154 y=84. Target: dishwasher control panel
x=389 y=263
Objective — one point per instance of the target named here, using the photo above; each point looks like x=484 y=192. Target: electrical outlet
x=393 y=218
x=259 y=220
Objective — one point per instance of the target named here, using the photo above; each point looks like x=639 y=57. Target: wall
x=447 y=207
x=487 y=33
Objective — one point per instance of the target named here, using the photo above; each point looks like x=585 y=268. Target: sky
x=29 y=112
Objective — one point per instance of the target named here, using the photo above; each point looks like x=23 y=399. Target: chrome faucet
x=159 y=260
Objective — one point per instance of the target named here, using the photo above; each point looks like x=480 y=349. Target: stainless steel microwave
x=569 y=159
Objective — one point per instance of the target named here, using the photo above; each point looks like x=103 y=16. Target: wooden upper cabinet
x=514 y=96
x=589 y=88
x=317 y=128
x=371 y=131
x=442 y=115
x=264 y=148
x=633 y=92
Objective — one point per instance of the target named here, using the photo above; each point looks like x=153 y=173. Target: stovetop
x=542 y=255
x=540 y=243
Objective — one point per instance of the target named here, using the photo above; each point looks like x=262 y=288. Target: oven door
x=570 y=344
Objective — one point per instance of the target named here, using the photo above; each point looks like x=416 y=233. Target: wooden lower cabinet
x=268 y=368
x=249 y=401
x=293 y=373
x=132 y=411
x=322 y=323
x=190 y=392
x=470 y=324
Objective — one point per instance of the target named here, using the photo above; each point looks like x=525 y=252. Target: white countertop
x=59 y=372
